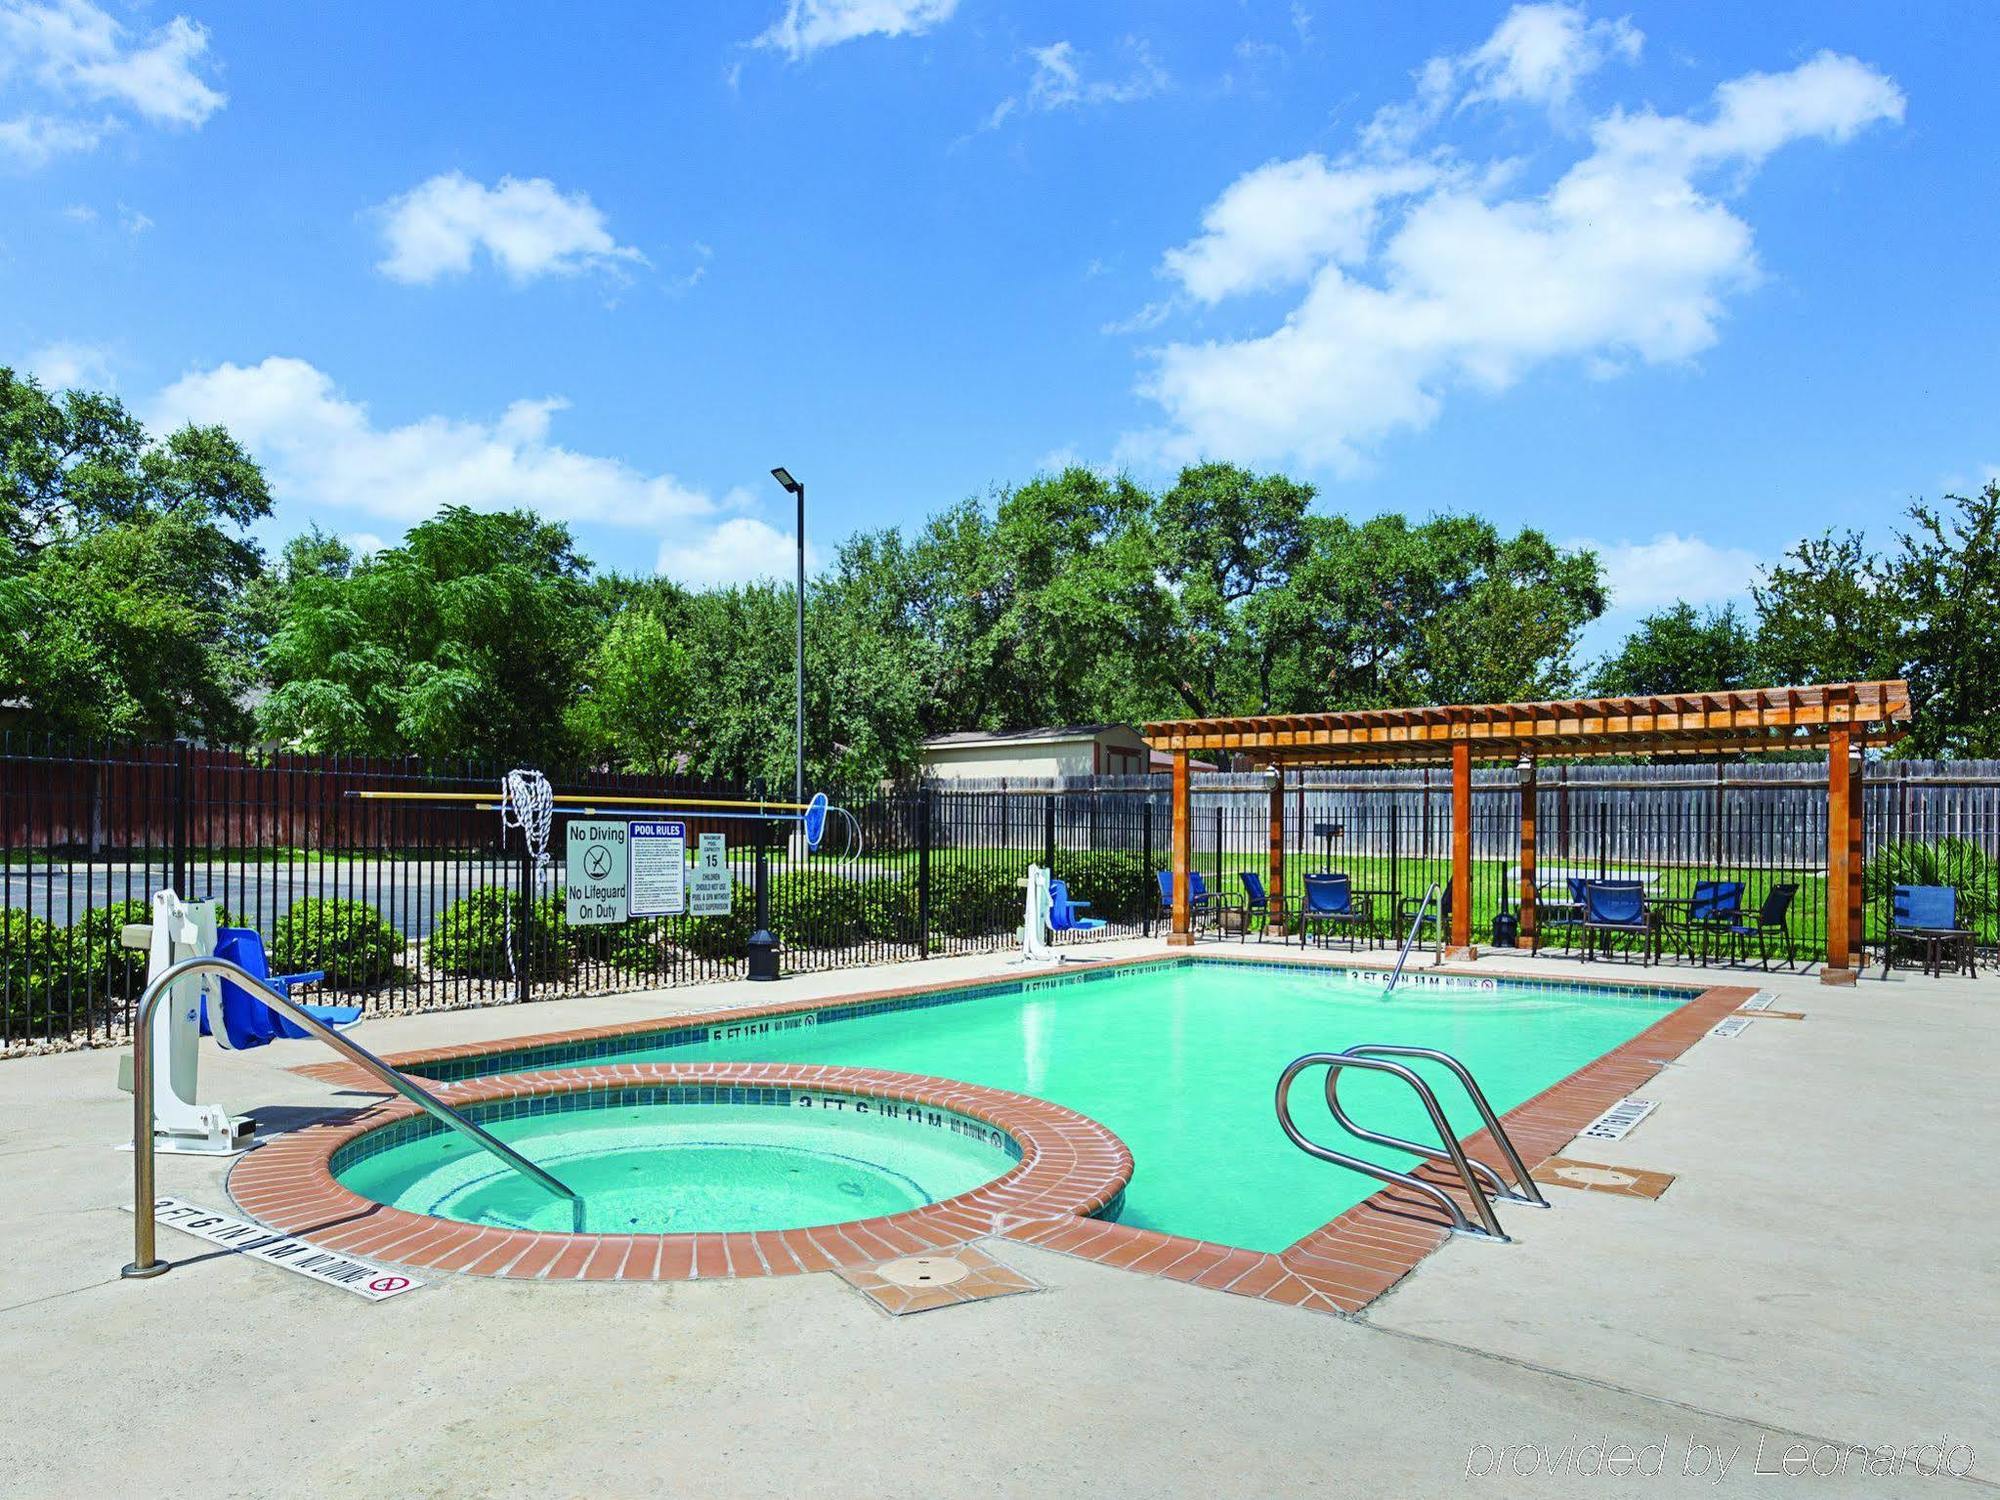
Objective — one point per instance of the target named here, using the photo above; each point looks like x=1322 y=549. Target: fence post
x=923 y=872
x=1146 y=845
x=180 y=820
x=1049 y=829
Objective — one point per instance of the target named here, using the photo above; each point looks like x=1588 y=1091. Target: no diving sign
x=596 y=870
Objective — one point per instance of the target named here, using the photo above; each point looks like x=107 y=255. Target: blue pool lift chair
x=246 y=1020
x=1063 y=911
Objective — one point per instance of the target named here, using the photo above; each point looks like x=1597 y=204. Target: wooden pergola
x=1841 y=719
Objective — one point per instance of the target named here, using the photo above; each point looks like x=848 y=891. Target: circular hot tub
x=687 y=1169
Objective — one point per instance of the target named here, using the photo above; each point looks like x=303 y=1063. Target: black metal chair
x=1773 y=915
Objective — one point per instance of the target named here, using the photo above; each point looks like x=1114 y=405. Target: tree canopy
x=134 y=601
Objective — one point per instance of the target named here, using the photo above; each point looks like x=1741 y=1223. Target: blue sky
x=1684 y=281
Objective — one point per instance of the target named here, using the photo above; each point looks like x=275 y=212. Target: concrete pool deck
x=1820 y=1273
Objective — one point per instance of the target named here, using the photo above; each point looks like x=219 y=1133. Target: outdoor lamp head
x=784 y=477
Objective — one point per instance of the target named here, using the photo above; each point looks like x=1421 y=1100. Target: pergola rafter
x=1841 y=719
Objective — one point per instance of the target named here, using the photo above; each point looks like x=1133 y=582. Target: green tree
x=634 y=701
x=1828 y=612
x=466 y=640
x=1681 y=650
x=123 y=561
x=1946 y=574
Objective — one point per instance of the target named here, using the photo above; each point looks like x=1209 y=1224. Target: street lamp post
x=798 y=492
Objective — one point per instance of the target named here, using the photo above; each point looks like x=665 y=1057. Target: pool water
x=678 y=1168
x=1182 y=1063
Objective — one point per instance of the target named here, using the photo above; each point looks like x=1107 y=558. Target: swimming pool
x=1179 y=1060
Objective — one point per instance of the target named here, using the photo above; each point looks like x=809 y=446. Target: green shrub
x=348 y=939
x=724 y=938
x=99 y=960
x=1118 y=886
x=814 y=909
x=471 y=937
x=975 y=900
x=34 y=965
x=636 y=947
x=889 y=910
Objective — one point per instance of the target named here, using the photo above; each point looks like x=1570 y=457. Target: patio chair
x=1711 y=912
x=1773 y=915
x=1063 y=911
x=1617 y=908
x=1330 y=901
x=1565 y=917
x=1438 y=912
x=1928 y=915
x=1256 y=901
x=1201 y=901
x=246 y=1020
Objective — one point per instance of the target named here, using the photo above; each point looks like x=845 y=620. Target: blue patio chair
x=248 y=1021
x=1713 y=911
x=1256 y=902
x=1773 y=915
x=1564 y=917
x=1201 y=901
x=1927 y=914
x=1330 y=902
x=1063 y=911
x=1617 y=908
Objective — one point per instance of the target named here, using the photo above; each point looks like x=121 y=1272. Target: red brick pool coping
x=1070 y=1166
x=1340 y=1267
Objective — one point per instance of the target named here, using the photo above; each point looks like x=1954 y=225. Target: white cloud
x=321 y=448
x=808 y=25
x=526 y=225
x=1421 y=280
x=1061 y=81
x=365 y=543
x=1279 y=222
x=742 y=549
x=1672 y=569
x=70 y=53
x=1538 y=53
x=69 y=366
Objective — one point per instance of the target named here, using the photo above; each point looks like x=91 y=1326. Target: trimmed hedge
x=471 y=937
x=814 y=909
x=1118 y=886
x=34 y=965
x=348 y=939
x=974 y=900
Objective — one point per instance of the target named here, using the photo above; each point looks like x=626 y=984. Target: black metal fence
x=415 y=904
x=418 y=904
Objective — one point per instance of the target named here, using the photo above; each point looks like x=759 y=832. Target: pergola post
x=1275 y=886
x=1841 y=831
x=1528 y=892
x=1181 y=933
x=1461 y=847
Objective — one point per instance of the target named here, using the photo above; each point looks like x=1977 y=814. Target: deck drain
x=1596 y=1176
x=923 y=1270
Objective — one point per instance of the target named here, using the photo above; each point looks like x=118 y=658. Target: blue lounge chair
x=1063 y=911
x=1927 y=914
x=1201 y=901
x=1617 y=908
x=1330 y=902
x=1714 y=910
x=248 y=1021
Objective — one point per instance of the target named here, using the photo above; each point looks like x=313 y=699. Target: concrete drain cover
x=923 y=1270
x=1596 y=1176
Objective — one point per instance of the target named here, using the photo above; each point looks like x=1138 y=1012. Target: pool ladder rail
x=1482 y=1183
x=1416 y=926
x=145 y=1260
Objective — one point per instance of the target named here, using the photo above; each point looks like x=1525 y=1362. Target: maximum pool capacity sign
x=617 y=868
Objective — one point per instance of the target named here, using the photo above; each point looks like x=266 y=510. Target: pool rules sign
x=621 y=868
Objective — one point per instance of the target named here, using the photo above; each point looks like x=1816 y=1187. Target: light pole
x=798 y=492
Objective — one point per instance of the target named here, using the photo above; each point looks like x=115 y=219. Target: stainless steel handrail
x=145 y=1261
x=1410 y=942
x=1527 y=1192
x=1488 y=1226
